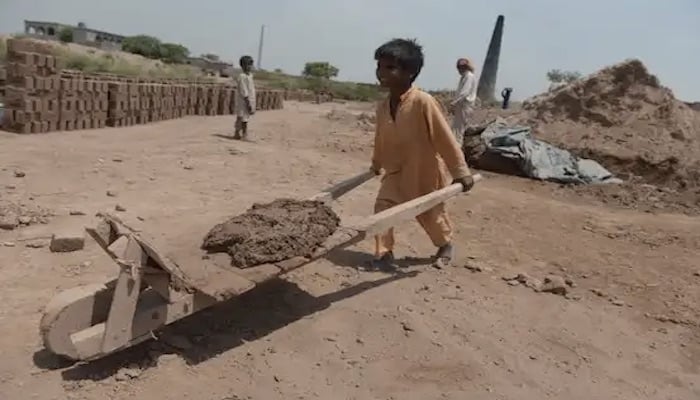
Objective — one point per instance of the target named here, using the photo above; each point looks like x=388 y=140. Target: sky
x=539 y=35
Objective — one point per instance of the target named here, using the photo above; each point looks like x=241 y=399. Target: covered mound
x=272 y=232
x=623 y=118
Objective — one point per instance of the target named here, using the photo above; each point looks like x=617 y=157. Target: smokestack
x=486 y=91
x=260 y=46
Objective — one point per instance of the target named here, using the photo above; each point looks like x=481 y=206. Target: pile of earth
x=272 y=232
x=623 y=118
x=363 y=121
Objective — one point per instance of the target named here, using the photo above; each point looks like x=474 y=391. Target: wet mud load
x=272 y=232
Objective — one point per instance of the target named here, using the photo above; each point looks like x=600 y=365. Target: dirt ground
x=628 y=327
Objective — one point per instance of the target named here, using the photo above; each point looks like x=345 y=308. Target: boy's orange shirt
x=415 y=148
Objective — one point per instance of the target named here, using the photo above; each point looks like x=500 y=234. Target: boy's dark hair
x=245 y=60
x=406 y=52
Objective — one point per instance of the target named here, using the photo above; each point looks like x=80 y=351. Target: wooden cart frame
x=154 y=289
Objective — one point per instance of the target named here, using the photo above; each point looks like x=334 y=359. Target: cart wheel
x=72 y=311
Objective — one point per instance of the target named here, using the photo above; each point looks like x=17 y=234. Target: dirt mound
x=363 y=121
x=271 y=232
x=622 y=117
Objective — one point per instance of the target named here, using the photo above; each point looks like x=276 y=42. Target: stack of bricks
x=125 y=104
x=83 y=102
x=191 y=100
x=32 y=88
x=180 y=100
x=269 y=100
x=226 y=100
x=201 y=102
x=3 y=79
x=162 y=101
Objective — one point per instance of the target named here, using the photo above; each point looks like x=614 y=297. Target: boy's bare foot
x=384 y=263
x=443 y=257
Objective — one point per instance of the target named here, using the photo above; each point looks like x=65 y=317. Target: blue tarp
x=541 y=160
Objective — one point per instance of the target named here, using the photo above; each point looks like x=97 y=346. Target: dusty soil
x=272 y=232
x=626 y=328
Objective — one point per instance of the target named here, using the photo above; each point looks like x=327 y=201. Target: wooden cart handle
x=340 y=188
x=386 y=219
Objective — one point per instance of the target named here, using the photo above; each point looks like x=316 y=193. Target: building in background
x=80 y=34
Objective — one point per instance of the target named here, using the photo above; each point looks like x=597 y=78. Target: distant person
x=463 y=103
x=245 y=98
x=412 y=145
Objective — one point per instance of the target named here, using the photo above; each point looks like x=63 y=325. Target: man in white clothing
x=463 y=102
x=245 y=97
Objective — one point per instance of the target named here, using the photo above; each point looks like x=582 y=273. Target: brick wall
x=42 y=98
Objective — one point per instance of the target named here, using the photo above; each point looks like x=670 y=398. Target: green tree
x=173 y=53
x=320 y=69
x=559 y=76
x=144 y=45
x=151 y=47
x=66 y=35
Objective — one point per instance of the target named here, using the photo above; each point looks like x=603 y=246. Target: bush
x=65 y=35
x=114 y=64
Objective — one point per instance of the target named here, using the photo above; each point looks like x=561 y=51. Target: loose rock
x=9 y=221
x=24 y=220
x=554 y=284
x=9 y=244
x=617 y=302
x=35 y=244
x=128 y=373
x=119 y=208
x=68 y=241
x=20 y=174
x=111 y=193
x=76 y=212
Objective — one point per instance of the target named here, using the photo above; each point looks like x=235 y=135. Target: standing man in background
x=245 y=97
x=463 y=103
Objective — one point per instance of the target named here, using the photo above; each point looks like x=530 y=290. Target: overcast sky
x=539 y=34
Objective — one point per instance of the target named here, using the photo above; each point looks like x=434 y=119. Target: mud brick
x=67 y=85
x=51 y=63
x=39 y=127
x=52 y=126
x=21 y=57
x=39 y=59
x=18 y=127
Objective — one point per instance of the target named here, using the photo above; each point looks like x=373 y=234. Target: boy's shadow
x=359 y=260
x=213 y=331
x=225 y=136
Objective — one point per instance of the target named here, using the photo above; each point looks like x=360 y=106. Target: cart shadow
x=211 y=332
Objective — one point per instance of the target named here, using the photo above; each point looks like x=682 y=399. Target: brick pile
x=124 y=101
x=83 y=103
x=42 y=98
x=32 y=88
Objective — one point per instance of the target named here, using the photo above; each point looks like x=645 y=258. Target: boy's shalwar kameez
x=416 y=151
